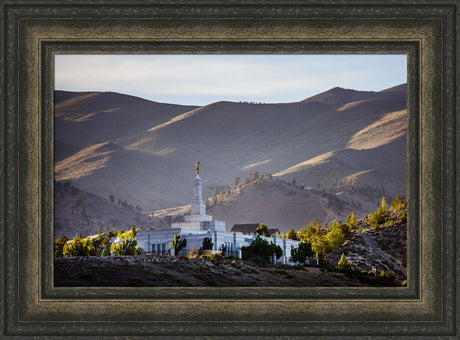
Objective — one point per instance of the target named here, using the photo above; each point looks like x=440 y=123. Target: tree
x=207 y=244
x=302 y=233
x=378 y=217
x=178 y=244
x=262 y=230
x=351 y=221
x=343 y=263
x=319 y=245
x=302 y=252
x=334 y=236
x=260 y=248
x=399 y=203
x=291 y=234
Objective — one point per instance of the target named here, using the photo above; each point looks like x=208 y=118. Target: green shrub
x=402 y=218
x=216 y=259
x=389 y=223
x=343 y=264
x=177 y=244
x=59 y=246
x=262 y=249
x=378 y=217
x=105 y=253
x=262 y=230
x=78 y=247
x=302 y=252
x=386 y=274
x=351 y=221
x=399 y=203
x=126 y=247
x=207 y=244
x=291 y=234
x=128 y=234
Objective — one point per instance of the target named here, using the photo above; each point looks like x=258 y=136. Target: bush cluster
x=101 y=245
x=126 y=247
x=260 y=248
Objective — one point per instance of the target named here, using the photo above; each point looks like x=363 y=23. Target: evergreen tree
x=335 y=236
x=351 y=221
x=262 y=230
x=303 y=233
x=399 y=203
x=383 y=205
x=302 y=252
x=378 y=217
x=343 y=263
x=262 y=249
x=291 y=234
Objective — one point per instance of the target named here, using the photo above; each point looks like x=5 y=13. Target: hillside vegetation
x=366 y=252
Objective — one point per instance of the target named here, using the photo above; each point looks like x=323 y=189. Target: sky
x=193 y=79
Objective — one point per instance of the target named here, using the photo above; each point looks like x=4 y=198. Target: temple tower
x=198 y=207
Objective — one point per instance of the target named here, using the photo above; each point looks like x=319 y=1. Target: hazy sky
x=204 y=79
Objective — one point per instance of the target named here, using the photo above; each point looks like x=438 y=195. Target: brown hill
x=340 y=96
x=77 y=211
x=278 y=204
x=86 y=118
x=264 y=199
x=383 y=248
x=108 y=169
x=144 y=152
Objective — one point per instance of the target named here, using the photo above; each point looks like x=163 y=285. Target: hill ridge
x=146 y=151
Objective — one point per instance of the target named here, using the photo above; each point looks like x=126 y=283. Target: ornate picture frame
x=33 y=33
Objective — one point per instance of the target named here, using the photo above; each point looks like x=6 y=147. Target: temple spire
x=198 y=207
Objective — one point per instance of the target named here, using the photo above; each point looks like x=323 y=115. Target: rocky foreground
x=384 y=249
x=168 y=271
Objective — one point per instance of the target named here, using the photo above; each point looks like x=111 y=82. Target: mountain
x=277 y=203
x=345 y=142
x=77 y=211
x=86 y=118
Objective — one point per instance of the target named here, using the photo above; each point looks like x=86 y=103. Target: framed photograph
x=60 y=142
x=266 y=128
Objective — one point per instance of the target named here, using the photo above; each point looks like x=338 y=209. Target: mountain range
x=346 y=143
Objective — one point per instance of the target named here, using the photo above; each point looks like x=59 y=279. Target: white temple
x=197 y=226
